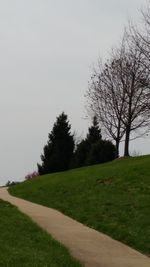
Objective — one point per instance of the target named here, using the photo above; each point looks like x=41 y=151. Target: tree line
x=61 y=153
x=118 y=100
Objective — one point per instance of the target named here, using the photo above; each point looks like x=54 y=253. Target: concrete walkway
x=89 y=246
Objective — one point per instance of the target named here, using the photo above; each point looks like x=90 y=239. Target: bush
x=81 y=154
x=31 y=175
x=100 y=152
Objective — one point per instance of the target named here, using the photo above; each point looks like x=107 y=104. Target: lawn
x=113 y=198
x=24 y=244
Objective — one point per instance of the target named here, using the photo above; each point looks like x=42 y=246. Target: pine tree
x=84 y=147
x=94 y=134
x=58 y=151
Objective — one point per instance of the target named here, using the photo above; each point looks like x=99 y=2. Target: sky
x=47 y=50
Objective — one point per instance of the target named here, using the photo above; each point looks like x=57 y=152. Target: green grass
x=113 y=198
x=24 y=244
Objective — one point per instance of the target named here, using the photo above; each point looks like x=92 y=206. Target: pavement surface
x=89 y=246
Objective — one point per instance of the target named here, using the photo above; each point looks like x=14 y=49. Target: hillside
x=24 y=244
x=113 y=198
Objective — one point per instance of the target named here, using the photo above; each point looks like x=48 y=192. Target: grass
x=24 y=244
x=113 y=198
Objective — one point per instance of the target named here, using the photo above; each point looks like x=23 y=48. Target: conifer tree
x=84 y=147
x=58 y=151
x=94 y=134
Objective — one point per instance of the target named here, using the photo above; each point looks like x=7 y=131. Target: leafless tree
x=105 y=99
x=119 y=93
x=136 y=78
x=140 y=35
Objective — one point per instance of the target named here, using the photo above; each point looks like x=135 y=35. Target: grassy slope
x=113 y=198
x=24 y=244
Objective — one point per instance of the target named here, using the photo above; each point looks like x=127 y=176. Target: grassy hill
x=113 y=198
x=24 y=244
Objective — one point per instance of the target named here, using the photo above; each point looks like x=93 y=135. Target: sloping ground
x=89 y=246
x=113 y=198
x=24 y=244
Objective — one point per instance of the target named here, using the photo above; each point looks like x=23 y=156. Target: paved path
x=89 y=246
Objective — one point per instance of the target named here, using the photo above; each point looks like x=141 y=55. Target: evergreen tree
x=94 y=134
x=84 y=147
x=58 y=151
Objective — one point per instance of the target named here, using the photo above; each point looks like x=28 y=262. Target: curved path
x=91 y=247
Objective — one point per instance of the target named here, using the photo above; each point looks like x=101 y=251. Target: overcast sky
x=47 y=48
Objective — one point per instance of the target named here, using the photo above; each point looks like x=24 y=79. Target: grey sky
x=46 y=51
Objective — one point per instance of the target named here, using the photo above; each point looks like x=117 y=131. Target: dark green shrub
x=81 y=154
x=101 y=152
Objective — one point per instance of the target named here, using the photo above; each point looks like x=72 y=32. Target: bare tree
x=104 y=100
x=140 y=36
x=136 y=79
x=119 y=93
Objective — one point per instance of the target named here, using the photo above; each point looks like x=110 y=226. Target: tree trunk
x=127 y=139
x=117 y=149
